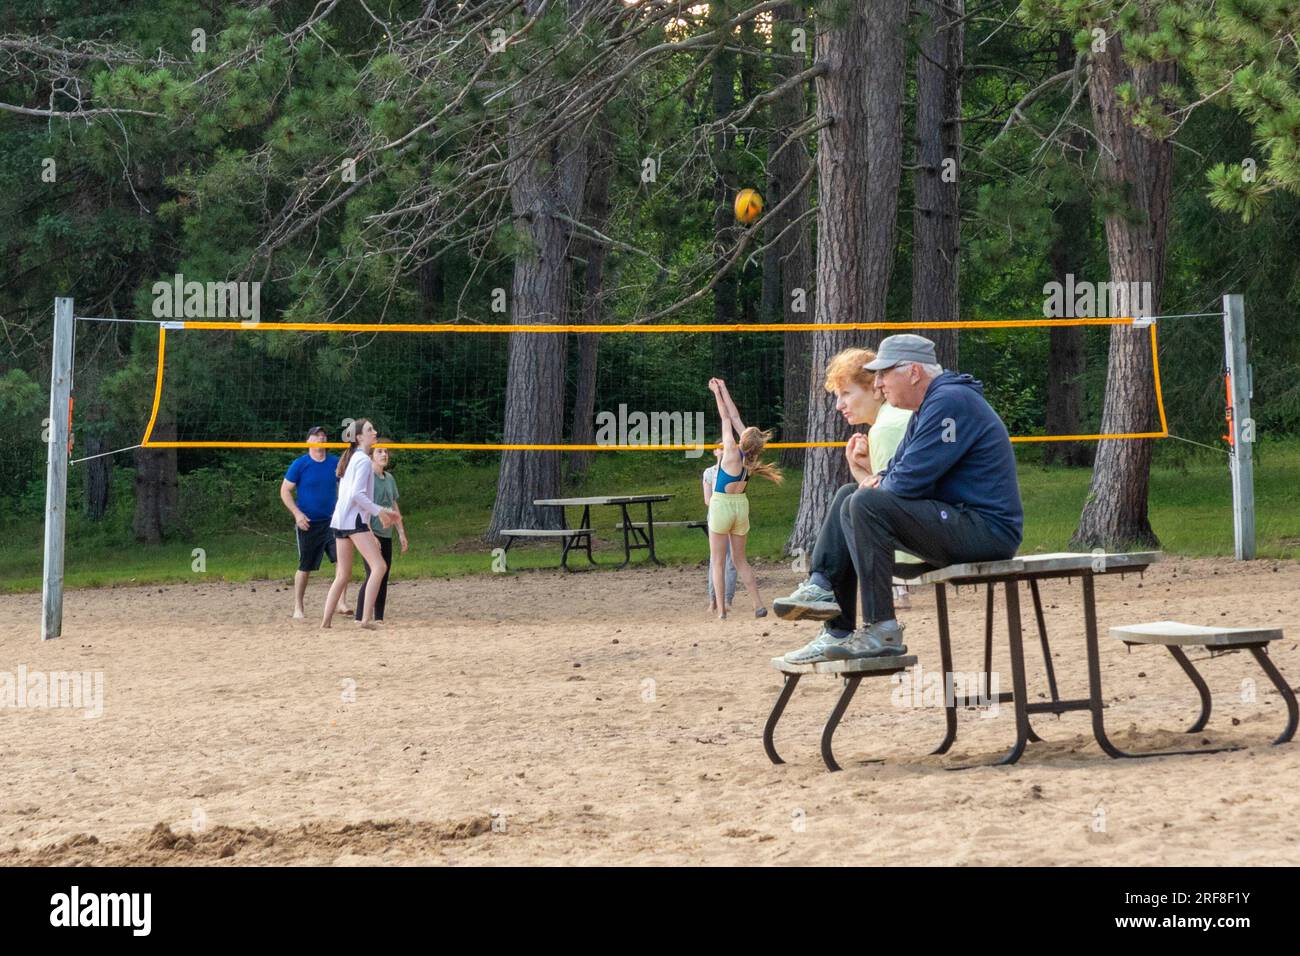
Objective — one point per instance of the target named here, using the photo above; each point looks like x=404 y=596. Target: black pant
x=386 y=550
x=863 y=528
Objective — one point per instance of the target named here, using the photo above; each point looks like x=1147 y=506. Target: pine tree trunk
x=1066 y=360
x=429 y=286
x=155 y=485
x=787 y=265
x=935 y=219
x=886 y=62
x=548 y=180
x=859 y=163
x=596 y=203
x=1140 y=168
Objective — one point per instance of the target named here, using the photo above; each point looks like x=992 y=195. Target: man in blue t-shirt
x=313 y=476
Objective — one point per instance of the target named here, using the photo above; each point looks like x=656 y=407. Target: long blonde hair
x=752 y=442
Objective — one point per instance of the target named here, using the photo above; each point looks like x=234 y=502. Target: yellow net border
x=147 y=441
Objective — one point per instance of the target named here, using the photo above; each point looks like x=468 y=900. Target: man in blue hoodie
x=949 y=495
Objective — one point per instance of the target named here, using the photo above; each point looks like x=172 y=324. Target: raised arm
x=724 y=412
x=731 y=407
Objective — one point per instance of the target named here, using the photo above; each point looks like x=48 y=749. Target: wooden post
x=56 y=474
x=1243 y=428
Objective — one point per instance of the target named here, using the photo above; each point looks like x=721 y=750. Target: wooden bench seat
x=546 y=532
x=851 y=671
x=1177 y=634
x=1173 y=636
x=861 y=665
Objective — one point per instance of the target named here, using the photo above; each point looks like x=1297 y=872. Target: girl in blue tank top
x=742 y=450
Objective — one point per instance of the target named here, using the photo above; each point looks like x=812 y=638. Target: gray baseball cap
x=902 y=348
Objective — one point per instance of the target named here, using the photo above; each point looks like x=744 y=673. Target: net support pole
x=56 y=473
x=1243 y=427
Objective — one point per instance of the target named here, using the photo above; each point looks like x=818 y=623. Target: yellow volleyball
x=749 y=204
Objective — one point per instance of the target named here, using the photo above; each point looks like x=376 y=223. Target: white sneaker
x=882 y=639
x=815 y=650
x=807 y=601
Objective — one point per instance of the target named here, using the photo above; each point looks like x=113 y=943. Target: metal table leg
x=791 y=681
x=1094 y=686
x=586 y=523
x=627 y=527
x=1042 y=637
x=1198 y=682
x=945 y=661
x=850 y=686
x=1047 y=651
x=650 y=530
x=988 y=638
x=571 y=544
x=1018 y=687
x=1019 y=693
x=1293 y=713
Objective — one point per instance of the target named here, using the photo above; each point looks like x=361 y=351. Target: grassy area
x=448 y=503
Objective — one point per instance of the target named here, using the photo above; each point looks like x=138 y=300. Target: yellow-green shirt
x=882 y=440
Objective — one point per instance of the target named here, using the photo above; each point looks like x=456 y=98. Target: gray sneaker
x=815 y=650
x=807 y=601
x=875 y=640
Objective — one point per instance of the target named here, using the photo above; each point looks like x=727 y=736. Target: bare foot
x=297 y=614
x=343 y=610
x=367 y=625
x=325 y=625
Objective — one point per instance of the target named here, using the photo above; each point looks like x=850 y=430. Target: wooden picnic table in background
x=635 y=537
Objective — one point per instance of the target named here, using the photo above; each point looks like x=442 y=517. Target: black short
x=362 y=525
x=315 y=542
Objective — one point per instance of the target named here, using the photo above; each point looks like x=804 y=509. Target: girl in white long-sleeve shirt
x=351 y=522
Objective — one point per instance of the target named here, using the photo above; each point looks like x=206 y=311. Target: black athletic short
x=314 y=543
x=362 y=525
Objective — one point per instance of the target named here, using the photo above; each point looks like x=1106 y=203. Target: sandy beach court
x=602 y=718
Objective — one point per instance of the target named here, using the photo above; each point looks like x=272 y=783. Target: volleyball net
x=230 y=384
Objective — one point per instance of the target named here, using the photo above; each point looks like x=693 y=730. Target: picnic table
x=1010 y=573
x=1028 y=569
x=636 y=535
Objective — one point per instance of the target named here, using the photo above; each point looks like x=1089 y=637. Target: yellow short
x=729 y=514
